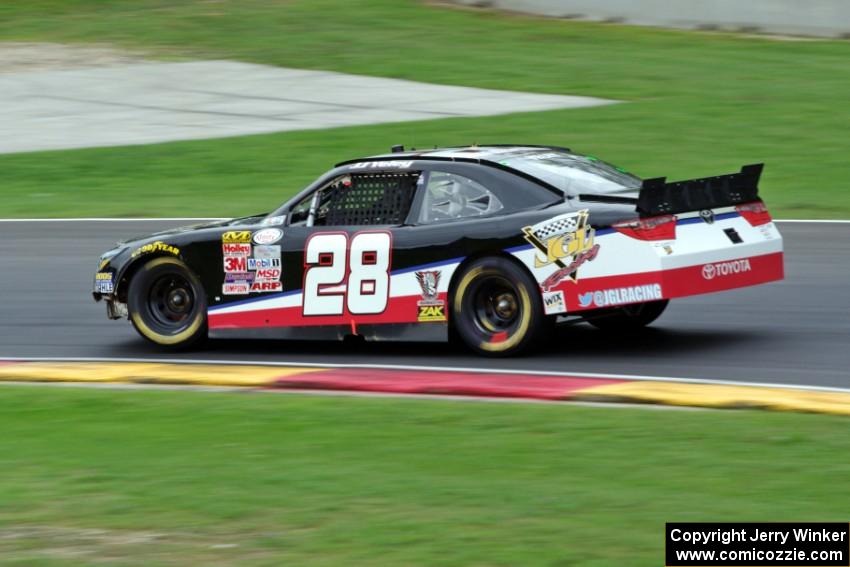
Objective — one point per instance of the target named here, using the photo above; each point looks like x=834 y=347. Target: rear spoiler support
x=657 y=197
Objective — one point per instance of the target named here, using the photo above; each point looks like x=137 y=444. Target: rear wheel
x=627 y=318
x=167 y=304
x=496 y=308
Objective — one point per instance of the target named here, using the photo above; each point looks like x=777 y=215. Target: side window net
x=368 y=199
x=450 y=196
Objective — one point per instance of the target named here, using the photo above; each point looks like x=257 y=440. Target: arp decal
x=237 y=236
x=566 y=241
x=267 y=236
x=157 y=246
x=720 y=269
x=621 y=295
x=264 y=286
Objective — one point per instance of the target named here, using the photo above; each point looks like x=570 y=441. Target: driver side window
x=377 y=199
x=451 y=196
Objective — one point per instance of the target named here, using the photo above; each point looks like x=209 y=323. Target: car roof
x=484 y=152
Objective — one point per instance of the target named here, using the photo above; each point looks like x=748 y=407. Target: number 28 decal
x=342 y=272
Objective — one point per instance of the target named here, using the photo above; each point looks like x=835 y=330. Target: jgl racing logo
x=566 y=241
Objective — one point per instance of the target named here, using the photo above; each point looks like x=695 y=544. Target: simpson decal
x=621 y=296
x=565 y=241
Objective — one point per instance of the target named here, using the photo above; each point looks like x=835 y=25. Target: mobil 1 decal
x=347 y=273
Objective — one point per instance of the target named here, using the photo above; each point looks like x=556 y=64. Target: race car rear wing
x=657 y=197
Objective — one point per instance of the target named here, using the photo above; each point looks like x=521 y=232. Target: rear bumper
x=704 y=257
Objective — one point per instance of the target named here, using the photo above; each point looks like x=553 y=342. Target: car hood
x=241 y=221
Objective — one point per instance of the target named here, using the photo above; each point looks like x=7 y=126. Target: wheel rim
x=496 y=305
x=171 y=302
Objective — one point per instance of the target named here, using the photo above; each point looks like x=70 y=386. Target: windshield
x=573 y=173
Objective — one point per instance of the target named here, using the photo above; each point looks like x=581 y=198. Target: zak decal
x=565 y=241
x=621 y=295
x=430 y=307
x=157 y=246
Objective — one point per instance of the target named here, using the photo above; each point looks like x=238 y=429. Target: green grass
x=698 y=104
x=162 y=478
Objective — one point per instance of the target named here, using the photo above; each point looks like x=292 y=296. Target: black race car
x=493 y=242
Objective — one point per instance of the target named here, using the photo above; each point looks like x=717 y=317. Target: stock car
x=493 y=244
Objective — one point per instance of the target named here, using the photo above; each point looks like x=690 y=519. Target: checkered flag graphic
x=561 y=224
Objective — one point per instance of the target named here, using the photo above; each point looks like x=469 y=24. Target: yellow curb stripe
x=719 y=396
x=153 y=373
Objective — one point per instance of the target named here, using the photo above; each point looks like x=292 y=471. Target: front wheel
x=167 y=304
x=496 y=307
x=627 y=318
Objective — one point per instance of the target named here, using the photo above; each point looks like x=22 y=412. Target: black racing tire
x=167 y=304
x=496 y=308
x=627 y=318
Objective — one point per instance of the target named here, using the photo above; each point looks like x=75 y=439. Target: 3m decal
x=710 y=271
x=237 y=236
x=429 y=313
x=268 y=236
x=553 y=302
x=566 y=241
x=621 y=295
x=235 y=264
x=342 y=273
x=157 y=246
x=236 y=249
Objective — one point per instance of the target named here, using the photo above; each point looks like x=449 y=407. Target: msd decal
x=566 y=241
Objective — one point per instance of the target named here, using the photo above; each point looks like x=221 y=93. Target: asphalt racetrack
x=792 y=332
